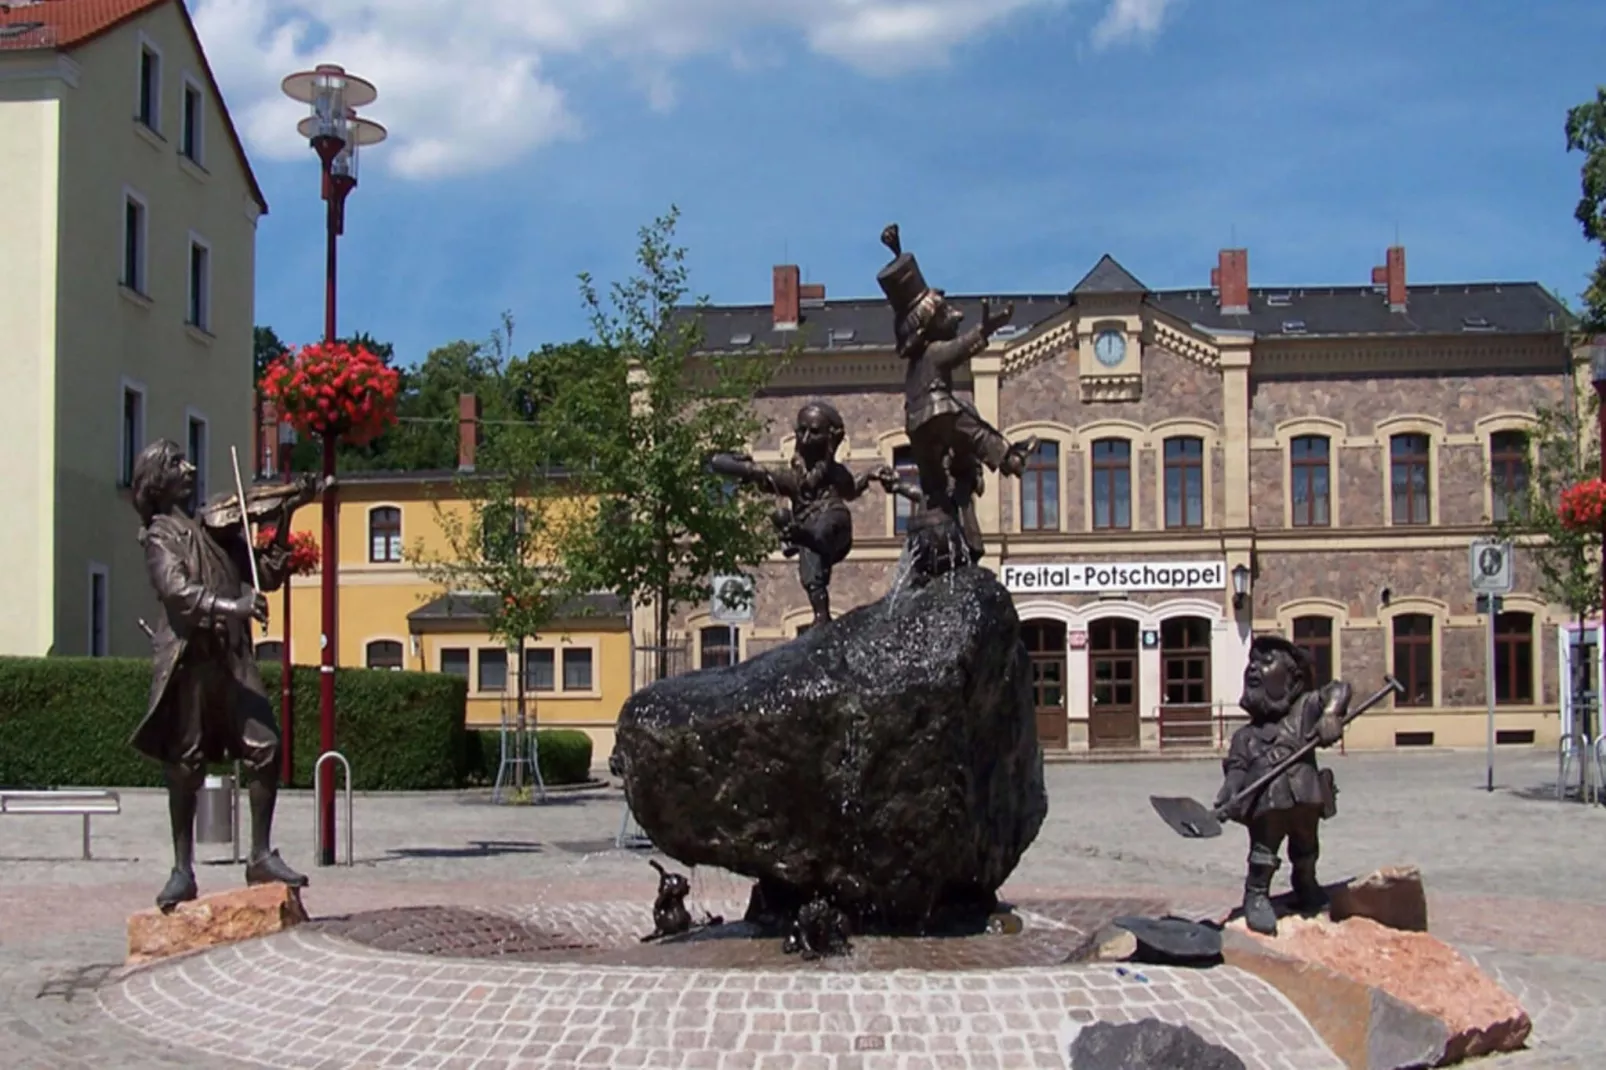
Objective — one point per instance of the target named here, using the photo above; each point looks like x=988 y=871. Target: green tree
x=267 y=347
x=638 y=412
x=1565 y=450
x=1586 y=133
x=503 y=550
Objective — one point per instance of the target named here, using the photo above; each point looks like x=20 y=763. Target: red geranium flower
x=336 y=389
x=1583 y=506
x=305 y=555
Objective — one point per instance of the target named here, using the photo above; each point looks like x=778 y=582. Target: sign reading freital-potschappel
x=1098 y=577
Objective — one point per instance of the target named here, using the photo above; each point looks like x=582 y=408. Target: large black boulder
x=887 y=760
x=1147 y=1044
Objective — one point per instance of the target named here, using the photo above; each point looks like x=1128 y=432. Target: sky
x=1014 y=141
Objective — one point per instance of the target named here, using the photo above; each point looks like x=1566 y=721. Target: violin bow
x=245 y=522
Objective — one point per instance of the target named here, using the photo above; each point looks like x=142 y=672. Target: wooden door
x=1045 y=642
x=1113 y=699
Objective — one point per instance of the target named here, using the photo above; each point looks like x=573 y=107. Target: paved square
x=1518 y=882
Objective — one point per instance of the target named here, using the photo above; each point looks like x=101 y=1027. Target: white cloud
x=1130 y=21
x=468 y=86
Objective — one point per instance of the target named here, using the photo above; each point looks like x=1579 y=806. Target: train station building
x=1214 y=463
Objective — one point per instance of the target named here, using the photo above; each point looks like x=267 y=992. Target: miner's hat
x=1298 y=654
x=913 y=302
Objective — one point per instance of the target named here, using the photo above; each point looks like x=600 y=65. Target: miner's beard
x=1261 y=707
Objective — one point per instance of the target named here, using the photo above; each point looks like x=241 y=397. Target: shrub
x=67 y=721
x=563 y=754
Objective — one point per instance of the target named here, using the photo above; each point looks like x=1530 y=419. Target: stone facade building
x=1213 y=463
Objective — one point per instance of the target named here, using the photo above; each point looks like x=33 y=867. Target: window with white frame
x=190 y=143
x=384 y=534
x=136 y=227
x=131 y=434
x=148 y=109
x=199 y=310
x=196 y=452
x=99 y=611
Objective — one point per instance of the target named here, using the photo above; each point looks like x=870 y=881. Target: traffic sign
x=1490 y=564
x=733 y=599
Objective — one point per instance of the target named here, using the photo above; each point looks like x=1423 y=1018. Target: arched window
x=384 y=533
x=270 y=651
x=1184 y=482
x=903 y=462
x=1040 y=489
x=1310 y=475
x=1408 y=478
x=1514 y=658
x=1508 y=474
x=384 y=654
x=1314 y=635
x=717 y=646
x=1413 y=658
x=1112 y=484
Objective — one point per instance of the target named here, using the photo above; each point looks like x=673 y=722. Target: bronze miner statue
x=1285 y=711
x=817 y=528
x=207 y=702
x=947 y=436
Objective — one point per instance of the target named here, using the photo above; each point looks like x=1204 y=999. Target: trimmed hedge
x=563 y=755
x=67 y=721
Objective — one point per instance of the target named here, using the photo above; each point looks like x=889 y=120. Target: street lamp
x=1240 y=585
x=335 y=133
x=287 y=442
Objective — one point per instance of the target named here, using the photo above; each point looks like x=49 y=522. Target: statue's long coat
x=190 y=566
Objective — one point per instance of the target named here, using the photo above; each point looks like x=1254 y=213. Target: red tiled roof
x=66 y=24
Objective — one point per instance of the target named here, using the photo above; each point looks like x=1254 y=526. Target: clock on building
x=1109 y=347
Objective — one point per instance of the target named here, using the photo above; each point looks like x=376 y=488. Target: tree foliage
x=1586 y=133
x=1565 y=447
x=638 y=413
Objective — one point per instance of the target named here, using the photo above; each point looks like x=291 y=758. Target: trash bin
x=214 y=811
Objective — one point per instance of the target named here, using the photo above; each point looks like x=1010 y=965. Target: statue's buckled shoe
x=271 y=869
x=180 y=888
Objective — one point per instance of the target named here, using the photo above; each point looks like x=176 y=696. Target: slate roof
x=470 y=609
x=64 y=25
x=865 y=324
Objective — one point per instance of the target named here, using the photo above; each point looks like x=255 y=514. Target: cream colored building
x=127 y=274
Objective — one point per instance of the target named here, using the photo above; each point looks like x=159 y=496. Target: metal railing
x=317 y=805
x=1218 y=723
x=83 y=804
x=1590 y=756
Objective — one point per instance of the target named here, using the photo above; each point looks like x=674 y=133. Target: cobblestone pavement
x=1517 y=881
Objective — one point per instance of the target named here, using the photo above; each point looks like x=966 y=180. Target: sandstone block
x=1382 y=998
x=213 y=920
x=1392 y=896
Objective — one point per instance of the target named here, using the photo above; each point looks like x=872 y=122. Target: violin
x=265 y=503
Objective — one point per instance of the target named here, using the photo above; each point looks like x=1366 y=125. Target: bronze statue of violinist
x=207 y=702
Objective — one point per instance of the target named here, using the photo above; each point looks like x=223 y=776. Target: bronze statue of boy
x=207 y=703
x=1285 y=710
x=948 y=438
x=818 y=527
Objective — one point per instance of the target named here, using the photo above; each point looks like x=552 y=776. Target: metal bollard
x=317 y=805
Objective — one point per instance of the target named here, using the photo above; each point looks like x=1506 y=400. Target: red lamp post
x=1597 y=373
x=335 y=133
x=287 y=762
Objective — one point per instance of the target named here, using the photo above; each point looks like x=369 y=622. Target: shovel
x=1191 y=818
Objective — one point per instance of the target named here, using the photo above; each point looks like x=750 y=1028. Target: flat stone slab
x=308 y=997
x=1382 y=998
x=212 y=920
x=1149 y=1044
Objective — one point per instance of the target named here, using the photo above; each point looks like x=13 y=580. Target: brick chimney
x=1230 y=279
x=1391 y=276
x=811 y=294
x=786 y=297
x=468 y=430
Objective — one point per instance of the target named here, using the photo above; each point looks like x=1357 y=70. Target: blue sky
x=1013 y=140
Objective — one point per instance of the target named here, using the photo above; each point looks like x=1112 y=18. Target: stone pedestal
x=213 y=920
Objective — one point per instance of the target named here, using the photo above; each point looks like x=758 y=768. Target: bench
x=83 y=804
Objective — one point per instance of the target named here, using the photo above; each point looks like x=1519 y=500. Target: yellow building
x=127 y=269
x=393 y=615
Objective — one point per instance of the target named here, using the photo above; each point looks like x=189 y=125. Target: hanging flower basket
x=305 y=556
x=1583 y=506
x=340 y=390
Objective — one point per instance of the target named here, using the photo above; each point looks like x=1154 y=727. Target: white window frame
x=203 y=473
x=98 y=571
x=197 y=136
x=147 y=45
x=198 y=313
x=399 y=547
x=143 y=257
x=125 y=458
